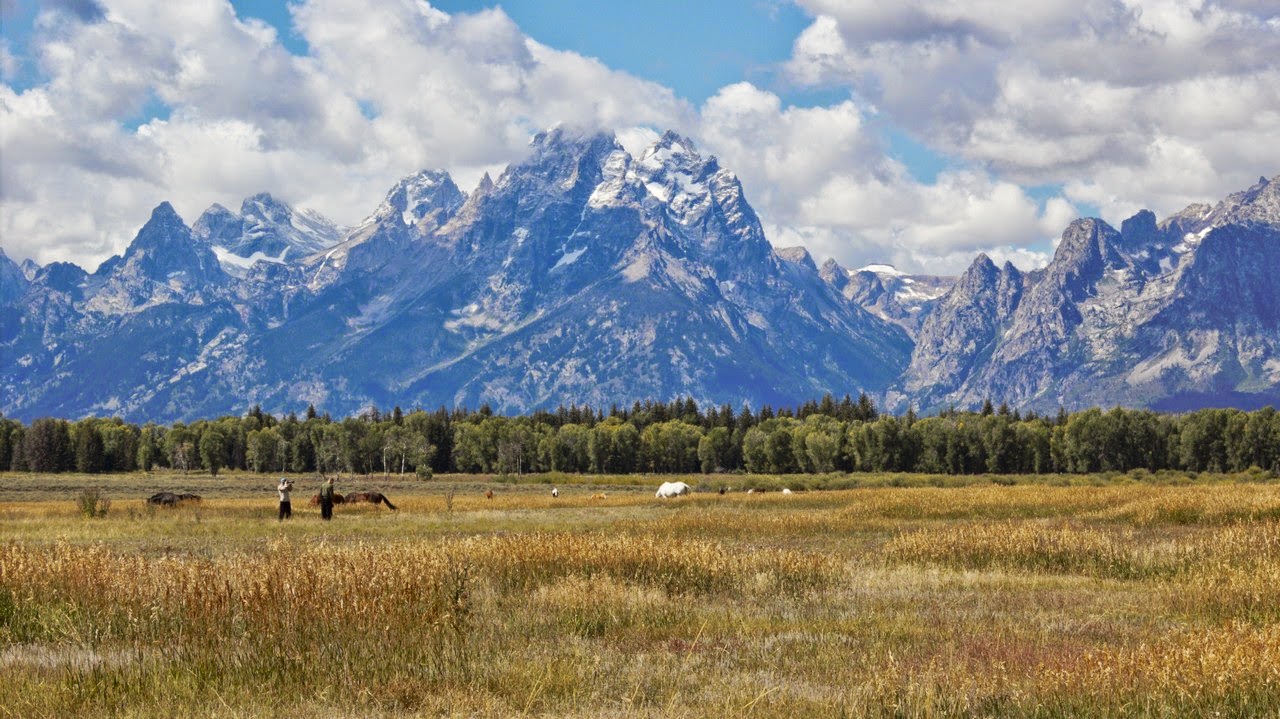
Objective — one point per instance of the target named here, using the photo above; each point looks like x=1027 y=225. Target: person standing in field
x=326 y=499
x=286 y=509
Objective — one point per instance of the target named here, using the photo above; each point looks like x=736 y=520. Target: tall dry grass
x=1130 y=600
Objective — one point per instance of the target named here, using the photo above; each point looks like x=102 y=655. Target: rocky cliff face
x=582 y=274
x=162 y=265
x=961 y=331
x=1180 y=313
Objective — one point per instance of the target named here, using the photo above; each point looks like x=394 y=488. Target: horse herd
x=677 y=489
x=172 y=499
x=666 y=491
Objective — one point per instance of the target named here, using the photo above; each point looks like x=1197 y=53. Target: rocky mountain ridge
x=585 y=274
x=1175 y=314
x=581 y=274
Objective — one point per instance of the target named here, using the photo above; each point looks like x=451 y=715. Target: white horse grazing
x=672 y=489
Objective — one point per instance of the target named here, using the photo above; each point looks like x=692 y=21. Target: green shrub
x=93 y=503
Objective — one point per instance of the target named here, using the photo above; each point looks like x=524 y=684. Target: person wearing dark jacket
x=326 y=499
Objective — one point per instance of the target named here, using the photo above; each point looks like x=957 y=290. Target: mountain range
x=584 y=274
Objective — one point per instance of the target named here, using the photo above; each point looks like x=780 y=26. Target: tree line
x=655 y=437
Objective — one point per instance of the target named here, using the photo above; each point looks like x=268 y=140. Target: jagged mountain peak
x=13 y=283
x=834 y=274
x=982 y=276
x=29 y=268
x=164 y=215
x=982 y=263
x=1140 y=230
x=1258 y=204
x=61 y=277
x=164 y=264
x=165 y=228
x=568 y=136
x=895 y=296
x=671 y=145
x=797 y=254
x=264 y=205
x=562 y=148
x=1175 y=311
x=704 y=201
x=961 y=330
x=564 y=161
x=673 y=153
x=427 y=192
x=265 y=229
x=1088 y=247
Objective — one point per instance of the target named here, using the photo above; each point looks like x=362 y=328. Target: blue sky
x=917 y=133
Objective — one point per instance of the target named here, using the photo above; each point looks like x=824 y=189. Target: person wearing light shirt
x=286 y=509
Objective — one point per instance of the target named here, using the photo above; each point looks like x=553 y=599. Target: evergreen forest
x=848 y=435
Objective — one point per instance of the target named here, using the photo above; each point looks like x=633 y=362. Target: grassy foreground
x=1110 y=598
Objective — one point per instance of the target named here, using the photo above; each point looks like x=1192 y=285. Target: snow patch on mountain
x=568 y=258
x=238 y=266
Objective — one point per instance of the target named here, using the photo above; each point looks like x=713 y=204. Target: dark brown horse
x=337 y=499
x=370 y=497
x=169 y=499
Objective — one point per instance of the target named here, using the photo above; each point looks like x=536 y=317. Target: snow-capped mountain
x=582 y=274
x=585 y=274
x=1175 y=314
x=265 y=230
x=888 y=293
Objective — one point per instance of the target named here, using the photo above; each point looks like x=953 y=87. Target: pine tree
x=46 y=446
x=89 y=452
x=866 y=410
x=828 y=405
x=845 y=413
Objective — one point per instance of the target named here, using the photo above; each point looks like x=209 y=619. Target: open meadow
x=866 y=595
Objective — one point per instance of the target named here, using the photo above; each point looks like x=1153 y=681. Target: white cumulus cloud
x=1128 y=103
x=1123 y=103
x=387 y=89
x=820 y=177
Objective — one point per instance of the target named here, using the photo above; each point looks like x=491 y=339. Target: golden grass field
x=1100 y=597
